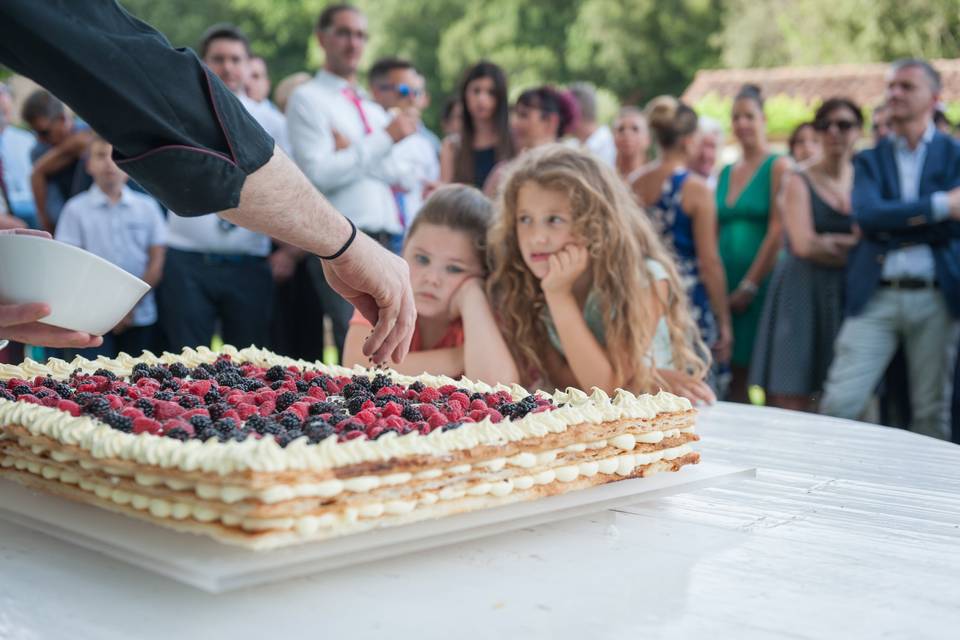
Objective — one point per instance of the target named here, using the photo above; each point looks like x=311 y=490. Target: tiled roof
x=863 y=83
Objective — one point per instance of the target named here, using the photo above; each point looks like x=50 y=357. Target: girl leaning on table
x=583 y=286
x=456 y=333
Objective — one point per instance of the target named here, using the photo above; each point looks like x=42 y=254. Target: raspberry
x=477 y=415
x=317 y=393
x=494 y=415
x=429 y=394
x=374 y=432
x=246 y=410
x=366 y=417
x=132 y=412
x=457 y=406
x=267 y=408
x=29 y=397
x=301 y=408
x=115 y=401
x=396 y=421
x=266 y=394
x=478 y=405
x=437 y=420
x=164 y=410
x=392 y=409
x=146 y=425
x=461 y=398
x=447 y=389
x=427 y=410
x=352 y=435
x=70 y=407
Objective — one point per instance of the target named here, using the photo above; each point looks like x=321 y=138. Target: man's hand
x=377 y=283
x=953 y=198
x=19 y=322
x=404 y=123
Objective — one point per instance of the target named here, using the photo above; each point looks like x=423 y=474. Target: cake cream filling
x=360 y=484
x=622 y=464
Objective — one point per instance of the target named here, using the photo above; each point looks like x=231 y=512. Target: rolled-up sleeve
x=175 y=127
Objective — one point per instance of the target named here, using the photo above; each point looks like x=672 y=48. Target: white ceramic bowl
x=84 y=291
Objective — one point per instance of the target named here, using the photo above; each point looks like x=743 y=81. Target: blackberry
x=379 y=382
x=275 y=373
x=225 y=425
x=452 y=425
x=206 y=434
x=529 y=401
x=49 y=383
x=256 y=422
x=417 y=386
x=229 y=379
x=252 y=384
x=200 y=374
x=84 y=398
x=179 y=370
x=320 y=381
x=293 y=434
x=363 y=381
x=209 y=368
x=337 y=418
x=271 y=428
x=20 y=389
x=355 y=404
x=141 y=366
x=303 y=386
x=289 y=421
x=189 y=401
x=317 y=430
x=477 y=396
x=63 y=390
x=321 y=407
x=201 y=422
x=137 y=375
x=381 y=401
x=118 y=422
x=276 y=385
x=165 y=394
x=412 y=414
x=354 y=390
x=282 y=439
x=110 y=375
x=6 y=395
x=285 y=399
x=97 y=407
x=223 y=364
x=213 y=396
x=216 y=410
x=236 y=434
x=43 y=393
x=123 y=392
x=159 y=373
x=144 y=405
x=177 y=434
x=170 y=384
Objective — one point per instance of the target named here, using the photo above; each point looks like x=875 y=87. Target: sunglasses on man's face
x=842 y=125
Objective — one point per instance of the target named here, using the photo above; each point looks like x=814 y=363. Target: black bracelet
x=346 y=245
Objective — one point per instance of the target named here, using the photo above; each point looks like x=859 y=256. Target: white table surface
x=848 y=531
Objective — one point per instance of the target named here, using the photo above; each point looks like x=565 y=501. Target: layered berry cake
x=263 y=451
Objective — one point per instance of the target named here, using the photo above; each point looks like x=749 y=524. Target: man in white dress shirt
x=596 y=138
x=216 y=271
x=343 y=142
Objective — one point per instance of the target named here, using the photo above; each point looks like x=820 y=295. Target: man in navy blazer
x=903 y=277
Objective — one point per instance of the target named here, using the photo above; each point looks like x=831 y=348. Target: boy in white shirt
x=126 y=228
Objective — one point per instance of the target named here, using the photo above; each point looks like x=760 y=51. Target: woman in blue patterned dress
x=682 y=207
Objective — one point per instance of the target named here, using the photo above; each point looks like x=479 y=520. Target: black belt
x=909 y=283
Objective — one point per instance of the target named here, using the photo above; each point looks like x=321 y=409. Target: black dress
x=801 y=316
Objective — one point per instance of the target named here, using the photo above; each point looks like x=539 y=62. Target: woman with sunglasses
x=749 y=227
x=804 y=305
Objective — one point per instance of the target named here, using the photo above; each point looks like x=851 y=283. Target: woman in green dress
x=749 y=227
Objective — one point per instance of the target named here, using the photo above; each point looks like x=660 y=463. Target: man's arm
x=876 y=214
x=314 y=146
x=279 y=201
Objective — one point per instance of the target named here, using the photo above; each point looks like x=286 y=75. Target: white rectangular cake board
x=209 y=565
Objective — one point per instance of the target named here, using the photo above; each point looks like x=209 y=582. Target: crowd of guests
x=548 y=248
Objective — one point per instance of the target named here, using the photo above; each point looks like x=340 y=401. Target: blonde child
x=456 y=333
x=583 y=285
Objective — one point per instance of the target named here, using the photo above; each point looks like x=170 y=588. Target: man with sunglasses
x=58 y=169
x=180 y=132
x=903 y=278
x=396 y=86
